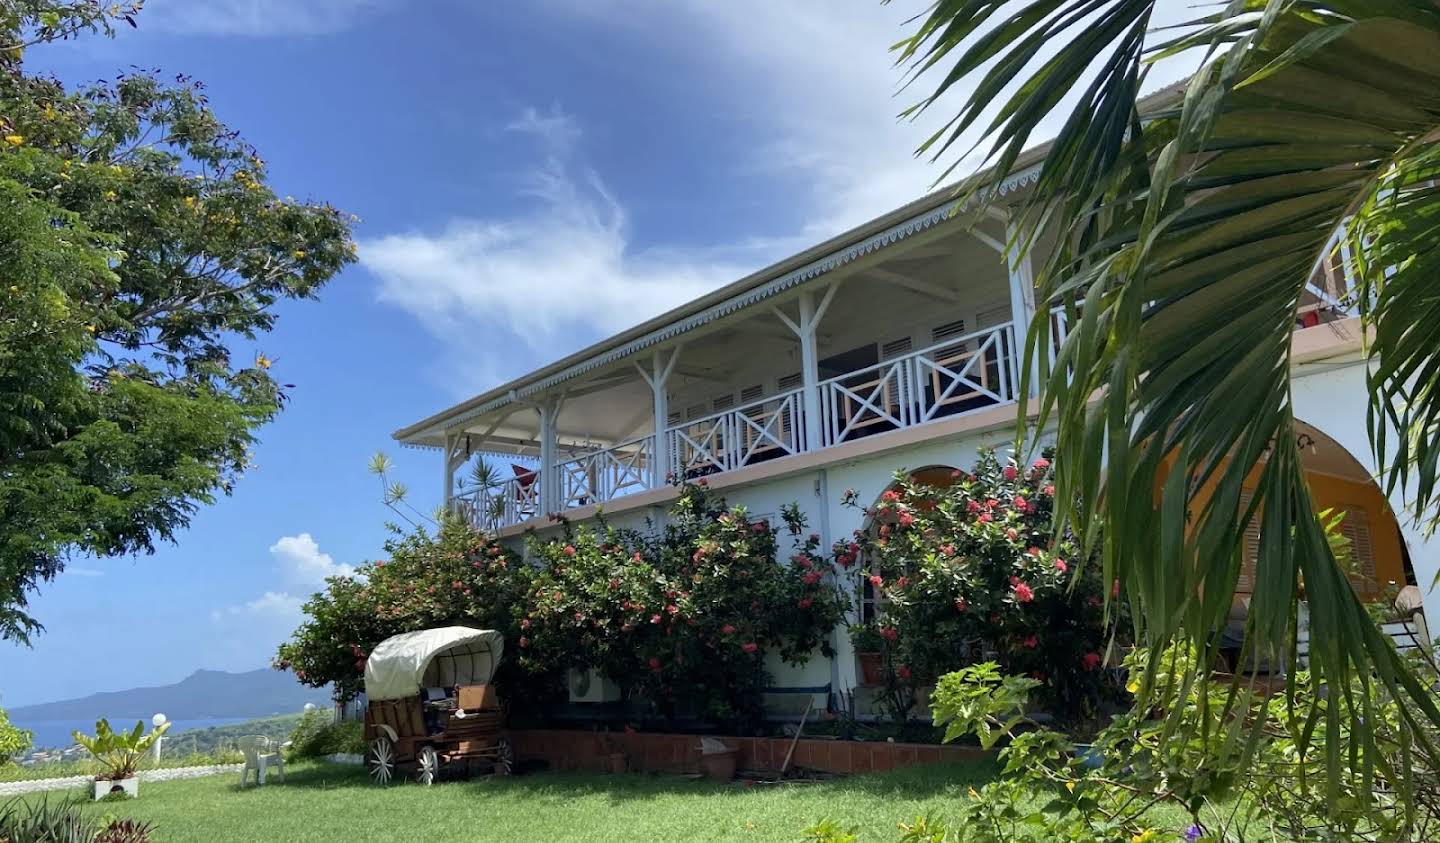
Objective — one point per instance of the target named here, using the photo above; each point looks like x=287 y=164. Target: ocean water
x=57 y=733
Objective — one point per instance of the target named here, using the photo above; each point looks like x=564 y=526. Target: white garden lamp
x=157 y=721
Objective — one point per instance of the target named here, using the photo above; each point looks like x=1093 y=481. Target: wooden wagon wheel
x=505 y=760
x=381 y=760
x=427 y=767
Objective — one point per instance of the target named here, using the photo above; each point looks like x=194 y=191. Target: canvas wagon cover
x=451 y=655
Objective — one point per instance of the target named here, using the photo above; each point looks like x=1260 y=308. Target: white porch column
x=455 y=455
x=1022 y=305
x=658 y=376
x=810 y=315
x=549 y=478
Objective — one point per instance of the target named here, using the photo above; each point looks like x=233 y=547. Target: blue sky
x=530 y=177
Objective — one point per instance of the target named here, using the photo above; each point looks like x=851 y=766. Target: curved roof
x=449 y=655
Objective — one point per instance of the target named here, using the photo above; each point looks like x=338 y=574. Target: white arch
x=1334 y=400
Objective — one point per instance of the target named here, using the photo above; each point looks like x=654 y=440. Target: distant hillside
x=204 y=693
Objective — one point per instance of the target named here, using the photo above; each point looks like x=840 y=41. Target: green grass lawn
x=323 y=802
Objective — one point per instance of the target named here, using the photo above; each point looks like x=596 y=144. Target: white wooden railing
x=746 y=435
x=600 y=476
x=960 y=375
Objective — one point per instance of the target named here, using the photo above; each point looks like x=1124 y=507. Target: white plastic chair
x=261 y=754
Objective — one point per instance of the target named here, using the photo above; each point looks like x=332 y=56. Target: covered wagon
x=431 y=704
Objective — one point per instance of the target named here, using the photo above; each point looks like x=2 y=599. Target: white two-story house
x=895 y=345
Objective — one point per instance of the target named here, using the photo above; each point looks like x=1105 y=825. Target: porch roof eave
x=918 y=215
x=807 y=265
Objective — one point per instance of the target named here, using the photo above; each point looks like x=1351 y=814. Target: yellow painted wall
x=1333 y=492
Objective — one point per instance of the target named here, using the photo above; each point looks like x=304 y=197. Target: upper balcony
x=912 y=321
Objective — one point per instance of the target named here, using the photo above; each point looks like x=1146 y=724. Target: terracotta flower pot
x=719 y=766
x=872 y=669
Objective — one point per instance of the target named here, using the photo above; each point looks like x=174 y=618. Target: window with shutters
x=896 y=348
x=941 y=333
x=751 y=393
x=790 y=382
x=694 y=411
x=1355 y=527
x=724 y=402
x=990 y=317
x=672 y=419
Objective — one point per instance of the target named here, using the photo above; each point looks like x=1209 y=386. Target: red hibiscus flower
x=1090 y=661
x=1030 y=643
x=569 y=550
x=749 y=646
x=1024 y=593
x=805 y=602
x=728 y=629
x=1061 y=566
x=889 y=633
x=1010 y=473
x=876 y=580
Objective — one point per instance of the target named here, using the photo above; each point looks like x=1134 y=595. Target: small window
x=724 y=402
x=789 y=382
x=752 y=393
x=940 y=333
x=991 y=317
x=896 y=348
x=694 y=411
x=672 y=419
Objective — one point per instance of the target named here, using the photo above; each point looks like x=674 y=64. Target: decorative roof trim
x=829 y=263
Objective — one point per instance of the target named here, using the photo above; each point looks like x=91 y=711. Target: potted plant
x=119 y=753
x=869 y=648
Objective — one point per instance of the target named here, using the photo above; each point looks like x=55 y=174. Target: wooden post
x=810 y=315
x=661 y=366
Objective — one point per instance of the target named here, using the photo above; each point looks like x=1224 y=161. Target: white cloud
x=259 y=17
x=818 y=143
x=537 y=278
x=303 y=562
x=84 y=572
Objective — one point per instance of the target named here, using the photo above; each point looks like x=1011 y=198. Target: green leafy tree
x=139 y=244
x=13 y=739
x=1186 y=237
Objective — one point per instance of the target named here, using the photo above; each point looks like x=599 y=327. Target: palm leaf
x=1186 y=238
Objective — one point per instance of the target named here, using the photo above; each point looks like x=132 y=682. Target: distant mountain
x=202 y=694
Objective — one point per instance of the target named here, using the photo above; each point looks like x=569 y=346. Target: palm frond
x=1187 y=236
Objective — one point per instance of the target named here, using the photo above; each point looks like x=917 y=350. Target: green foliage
x=1185 y=238
x=973 y=572
x=138 y=242
x=13 y=739
x=317 y=735
x=453 y=575
x=681 y=620
x=43 y=821
x=119 y=753
x=979 y=700
x=829 y=831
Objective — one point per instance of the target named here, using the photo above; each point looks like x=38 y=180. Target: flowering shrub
x=680 y=620
x=453 y=576
x=972 y=572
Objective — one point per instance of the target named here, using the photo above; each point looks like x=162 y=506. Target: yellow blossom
x=1070 y=786
x=189 y=201
x=14 y=140
x=90 y=328
x=1144 y=837
x=298 y=254
x=1134 y=686
x=111 y=195
x=262 y=361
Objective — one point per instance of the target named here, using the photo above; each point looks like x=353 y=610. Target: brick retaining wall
x=663 y=753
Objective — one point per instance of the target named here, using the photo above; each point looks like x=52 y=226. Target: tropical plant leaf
x=1188 y=226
